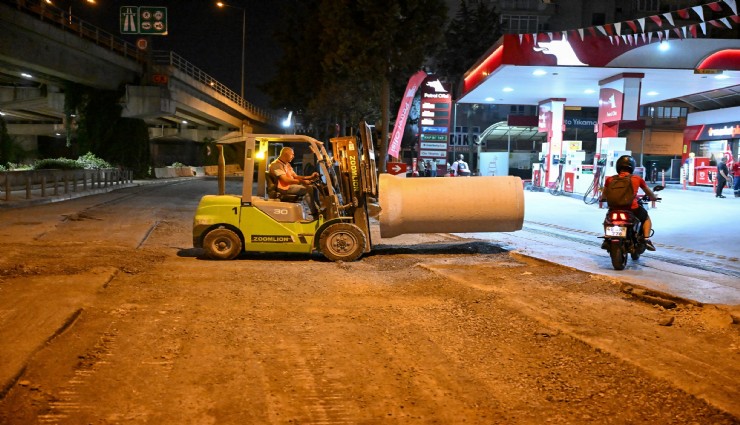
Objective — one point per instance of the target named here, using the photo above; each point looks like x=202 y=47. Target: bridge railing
x=33 y=184
x=163 y=57
x=50 y=13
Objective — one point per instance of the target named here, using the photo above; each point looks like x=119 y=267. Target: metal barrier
x=168 y=58
x=53 y=15
x=46 y=183
x=50 y=13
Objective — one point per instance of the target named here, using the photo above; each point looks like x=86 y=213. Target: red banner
x=394 y=147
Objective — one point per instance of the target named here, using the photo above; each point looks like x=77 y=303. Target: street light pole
x=244 y=36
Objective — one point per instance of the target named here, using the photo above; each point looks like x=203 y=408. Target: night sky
x=205 y=35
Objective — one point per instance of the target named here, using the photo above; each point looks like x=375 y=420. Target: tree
x=365 y=49
x=475 y=28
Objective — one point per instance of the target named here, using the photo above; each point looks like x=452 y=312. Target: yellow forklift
x=257 y=220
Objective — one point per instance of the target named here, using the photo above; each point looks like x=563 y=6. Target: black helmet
x=626 y=163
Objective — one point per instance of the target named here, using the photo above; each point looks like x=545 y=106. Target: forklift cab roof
x=255 y=150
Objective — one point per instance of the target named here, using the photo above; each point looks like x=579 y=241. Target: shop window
x=517 y=110
x=648 y=5
x=520 y=24
x=664 y=112
x=516 y=4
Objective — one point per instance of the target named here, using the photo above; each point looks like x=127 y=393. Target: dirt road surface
x=109 y=316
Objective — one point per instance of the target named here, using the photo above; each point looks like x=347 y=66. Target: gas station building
x=627 y=71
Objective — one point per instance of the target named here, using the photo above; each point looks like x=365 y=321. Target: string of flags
x=664 y=26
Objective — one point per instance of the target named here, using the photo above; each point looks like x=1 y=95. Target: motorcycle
x=623 y=234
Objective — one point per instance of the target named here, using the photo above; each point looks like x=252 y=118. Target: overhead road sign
x=149 y=20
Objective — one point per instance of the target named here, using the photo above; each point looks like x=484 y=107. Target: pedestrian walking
x=422 y=168
x=736 y=176
x=460 y=167
x=722 y=176
x=431 y=168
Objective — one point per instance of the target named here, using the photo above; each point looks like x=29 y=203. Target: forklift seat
x=274 y=193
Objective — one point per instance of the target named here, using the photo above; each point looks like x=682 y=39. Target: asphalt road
x=108 y=315
x=697 y=256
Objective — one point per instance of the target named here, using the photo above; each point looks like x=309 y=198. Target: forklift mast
x=358 y=175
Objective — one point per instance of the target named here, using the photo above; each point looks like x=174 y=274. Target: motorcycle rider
x=625 y=166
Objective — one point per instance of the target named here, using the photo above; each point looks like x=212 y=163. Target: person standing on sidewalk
x=422 y=168
x=736 y=176
x=460 y=167
x=722 y=176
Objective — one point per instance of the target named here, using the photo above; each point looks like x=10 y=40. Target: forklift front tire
x=222 y=244
x=342 y=242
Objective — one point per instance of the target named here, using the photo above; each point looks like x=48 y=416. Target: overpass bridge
x=43 y=49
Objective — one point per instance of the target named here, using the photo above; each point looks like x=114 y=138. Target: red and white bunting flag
x=683 y=13
x=733 y=5
x=683 y=30
x=521 y=36
x=611 y=39
x=650 y=38
x=735 y=19
x=580 y=32
x=549 y=35
x=601 y=29
x=667 y=34
x=635 y=39
x=699 y=11
x=716 y=23
x=625 y=38
x=657 y=20
x=669 y=17
x=692 y=29
x=642 y=24
x=678 y=32
x=618 y=28
x=660 y=36
x=644 y=38
x=592 y=30
x=703 y=27
x=716 y=7
x=632 y=25
x=726 y=22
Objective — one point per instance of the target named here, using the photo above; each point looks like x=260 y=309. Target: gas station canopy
x=526 y=69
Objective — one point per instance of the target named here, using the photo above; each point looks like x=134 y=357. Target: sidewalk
x=19 y=200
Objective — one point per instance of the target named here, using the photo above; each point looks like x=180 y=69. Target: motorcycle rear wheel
x=618 y=255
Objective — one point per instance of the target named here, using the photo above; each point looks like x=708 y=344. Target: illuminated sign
x=727 y=130
x=436 y=105
x=561 y=49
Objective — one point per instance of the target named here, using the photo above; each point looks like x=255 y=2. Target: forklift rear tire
x=222 y=244
x=342 y=242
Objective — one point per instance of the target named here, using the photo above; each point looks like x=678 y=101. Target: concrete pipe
x=450 y=205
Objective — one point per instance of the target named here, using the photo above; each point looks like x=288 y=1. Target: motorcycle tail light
x=617 y=215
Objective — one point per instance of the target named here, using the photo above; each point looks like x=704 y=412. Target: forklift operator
x=290 y=183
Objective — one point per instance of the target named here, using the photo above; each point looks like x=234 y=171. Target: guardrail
x=32 y=184
x=168 y=58
x=50 y=13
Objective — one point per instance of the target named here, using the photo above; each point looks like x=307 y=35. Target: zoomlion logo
x=561 y=49
x=271 y=239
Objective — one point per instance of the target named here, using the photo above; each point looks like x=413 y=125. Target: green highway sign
x=150 y=20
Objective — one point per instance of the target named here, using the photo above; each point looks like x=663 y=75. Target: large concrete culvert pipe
x=450 y=205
